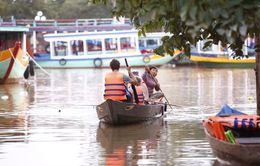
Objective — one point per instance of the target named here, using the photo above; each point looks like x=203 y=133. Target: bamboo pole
x=257 y=74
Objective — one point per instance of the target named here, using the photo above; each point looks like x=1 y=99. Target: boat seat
x=248 y=140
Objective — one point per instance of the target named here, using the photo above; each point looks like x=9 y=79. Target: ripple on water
x=52 y=119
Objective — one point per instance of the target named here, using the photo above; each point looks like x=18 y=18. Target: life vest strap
x=122 y=90
x=114 y=84
x=114 y=94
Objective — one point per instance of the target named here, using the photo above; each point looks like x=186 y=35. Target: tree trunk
x=257 y=74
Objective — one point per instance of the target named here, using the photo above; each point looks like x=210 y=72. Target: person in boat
x=116 y=83
x=149 y=77
x=141 y=89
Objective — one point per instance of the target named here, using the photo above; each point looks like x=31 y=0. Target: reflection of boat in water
x=14 y=102
x=117 y=112
x=234 y=137
x=97 y=49
x=217 y=56
x=13 y=97
x=13 y=60
x=121 y=143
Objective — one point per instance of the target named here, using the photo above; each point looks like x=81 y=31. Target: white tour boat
x=97 y=49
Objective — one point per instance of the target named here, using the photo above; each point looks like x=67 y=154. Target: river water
x=51 y=120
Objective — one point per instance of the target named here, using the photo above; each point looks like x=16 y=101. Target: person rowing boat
x=149 y=77
x=114 y=111
x=116 y=83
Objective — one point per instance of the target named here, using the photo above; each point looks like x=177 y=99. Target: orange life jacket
x=215 y=125
x=215 y=129
x=140 y=94
x=238 y=121
x=114 y=86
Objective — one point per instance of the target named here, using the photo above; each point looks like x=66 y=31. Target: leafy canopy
x=228 y=21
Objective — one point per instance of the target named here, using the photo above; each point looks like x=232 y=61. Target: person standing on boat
x=116 y=83
x=152 y=82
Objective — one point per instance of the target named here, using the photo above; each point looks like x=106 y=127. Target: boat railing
x=11 y=21
x=7 y=21
x=69 y=22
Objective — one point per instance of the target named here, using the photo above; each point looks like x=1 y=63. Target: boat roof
x=99 y=34
x=14 y=29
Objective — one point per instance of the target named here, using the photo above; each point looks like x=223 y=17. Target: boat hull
x=98 y=62
x=222 y=62
x=248 y=154
x=13 y=64
x=119 y=113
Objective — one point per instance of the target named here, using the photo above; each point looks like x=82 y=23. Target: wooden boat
x=119 y=113
x=97 y=49
x=246 y=149
x=13 y=60
x=219 y=61
x=218 y=57
x=248 y=154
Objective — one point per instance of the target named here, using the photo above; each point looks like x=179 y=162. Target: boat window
x=111 y=45
x=94 y=46
x=127 y=44
x=152 y=43
x=142 y=44
x=8 y=39
x=60 y=48
x=77 y=47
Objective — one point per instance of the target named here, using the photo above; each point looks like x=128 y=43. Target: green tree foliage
x=228 y=21
x=21 y=9
x=3 y=8
x=53 y=9
x=83 y=9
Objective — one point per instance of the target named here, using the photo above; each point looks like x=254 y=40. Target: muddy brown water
x=51 y=120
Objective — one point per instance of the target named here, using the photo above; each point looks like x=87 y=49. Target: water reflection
x=131 y=145
x=14 y=101
x=72 y=87
x=54 y=116
x=210 y=88
x=230 y=163
x=13 y=97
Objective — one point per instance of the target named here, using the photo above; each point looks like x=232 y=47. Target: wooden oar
x=133 y=87
x=174 y=105
x=168 y=103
